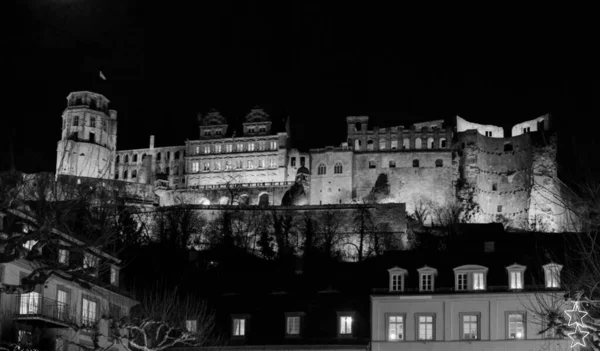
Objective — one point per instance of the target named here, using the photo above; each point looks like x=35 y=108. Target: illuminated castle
x=492 y=176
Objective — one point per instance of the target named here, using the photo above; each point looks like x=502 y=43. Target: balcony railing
x=34 y=307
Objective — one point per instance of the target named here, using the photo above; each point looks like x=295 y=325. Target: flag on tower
x=102 y=76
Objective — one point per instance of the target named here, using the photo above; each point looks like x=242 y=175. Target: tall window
x=239 y=326
x=427 y=282
x=515 y=325
x=382 y=144
x=461 y=281
x=552 y=275
x=430 y=143
x=93 y=122
x=195 y=166
x=207 y=166
x=114 y=276
x=337 y=168
x=90 y=262
x=261 y=146
x=370 y=144
x=29 y=303
x=516 y=280
x=250 y=146
x=293 y=162
x=425 y=327
x=292 y=325
x=239 y=164
x=321 y=169
x=395 y=328
x=417 y=143
x=62 y=298
x=229 y=148
x=217 y=147
x=126 y=159
x=406 y=143
x=272 y=163
x=273 y=145
x=207 y=149
x=250 y=164
x=442 y=143
x=240 y=147
x=396 y=282
x=261 y=163
x=469 y=326
x=88 y=311
x=63 y=256
x=478 y=283
x=217 y=165
x=76 y=121
x=345 y=325
x=394 y=144
x=135 y=157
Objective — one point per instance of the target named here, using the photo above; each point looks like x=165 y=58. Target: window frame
x=461 y=326
x=427 y=271
x=507 y=324
x=516 y=268
x=321 y=169
x=469 y=270
x=300 y=316
x=243 y=317
x=417 y=326
x=97 y=304
x=338 y=168
x=397 y=272
x=552 y=270
x=387 y=326
x=346 y=314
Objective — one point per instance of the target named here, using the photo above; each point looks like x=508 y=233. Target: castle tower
x=89 y=137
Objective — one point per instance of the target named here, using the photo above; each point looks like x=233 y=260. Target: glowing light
x=578 y=337
x=576 y=315
x=519 y=335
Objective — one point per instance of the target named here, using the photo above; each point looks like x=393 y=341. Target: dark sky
x=315 y=62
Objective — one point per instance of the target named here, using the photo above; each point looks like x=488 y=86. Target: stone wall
x=331 y=187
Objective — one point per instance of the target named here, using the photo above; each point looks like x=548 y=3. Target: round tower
x=89 y=137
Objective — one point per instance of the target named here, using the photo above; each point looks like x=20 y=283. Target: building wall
x=491 y=307
x=462 y=125
x=150 y=164
x=331 y=187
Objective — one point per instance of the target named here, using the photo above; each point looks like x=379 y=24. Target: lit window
x=63 y=256
x=478 y=283
x=62 y=298
x=272 y=163
x=217 y=147
x=29 y=303
x=461 y=281
x=345 y=325
x=240 y=147
x=250 y=146
x=273 y=145
x=425 y=331
x=516 y=325
x=191 y=326
x=239 y=326
x=337 y=168
x=406 y=143
x=292 y=324
x=114 y=276
x=470 y=326
x=552 y=275
x=321 y=169
x=207 y=166
x=392 y=164
x=427 y=282
x=394 y=144
x=395 y=328
x=382 y=144
x=197 y=149
x=229 y=148
x=88 y=311
x=195 y=166
x=29 y=244
x=516 y=280
x=207 y=149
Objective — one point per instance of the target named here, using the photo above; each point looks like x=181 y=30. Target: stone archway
x=263 y=199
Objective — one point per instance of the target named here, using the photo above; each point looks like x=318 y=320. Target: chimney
x=151 y=141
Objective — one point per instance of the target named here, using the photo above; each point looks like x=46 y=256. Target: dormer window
x=262 y=129
x=426 y=278
x=397 y=278
x=552 y=275
x=251 y=129
x=218 y=132
x=470 y=277
x=516 y=276
x=206 y=132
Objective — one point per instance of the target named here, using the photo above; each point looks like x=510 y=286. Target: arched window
x=263 y=200
x=337 y=168
x=417 y=143
x=370 y=144
x=134 y=174
x=158 y=156
x=406 y=143
x=118 y=159
x=126 y=158
x=117 y=175
x=76 y=121
x=442 y=143
x=321 y=169
x=430 y=143
x=439 y=163
x=168 y=155
x=125 y=174
x=177 y=155
x=508 y=147
x=415 y=163
x=134 y=157
x=143 y=157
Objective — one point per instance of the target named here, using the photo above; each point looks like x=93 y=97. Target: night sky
x=316 y=63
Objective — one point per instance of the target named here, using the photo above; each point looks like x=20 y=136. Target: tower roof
x=212 y=118
x=257 y=114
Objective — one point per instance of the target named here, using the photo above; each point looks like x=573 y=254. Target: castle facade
x=492 y=177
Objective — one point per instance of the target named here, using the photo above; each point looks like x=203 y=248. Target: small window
x=93 y=122
x=469 y=324
x=392 y=164
x=321 y=169
x=293 y=162
x=345 y=324
x=488 y=133
x=372 y=164
x=461 y=281
x=191 y=326
x=499 y=209
x=357 y=127
x=239 y=327
x=494 y=186
x=292 y=324
x=396 y=328
x=396 y=275
x=526 y=129
x=416 y=163
x=218 y=131
x=425 y=330
x=337 y=168
x=439 y=163
x=76 y=121
x=515 y=325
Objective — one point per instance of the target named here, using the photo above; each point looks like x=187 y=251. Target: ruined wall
x=537 y=124
x=167 y=163
x=331 y=187
x=408 y=184
x=223 y=195
x=462 y=125
x=498 y=170
x=84 y=159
